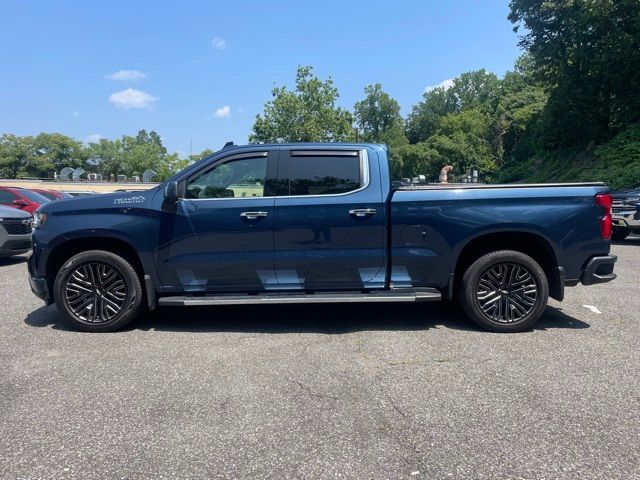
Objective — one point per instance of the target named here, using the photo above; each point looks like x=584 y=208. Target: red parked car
x=21 y=198
x=51 y=194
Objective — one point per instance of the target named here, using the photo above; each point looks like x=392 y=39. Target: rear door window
x=328 y=174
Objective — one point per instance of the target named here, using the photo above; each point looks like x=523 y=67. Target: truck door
x=330 y=216
x=220 y=235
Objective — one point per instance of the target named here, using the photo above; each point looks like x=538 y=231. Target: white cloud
x=223 y=112
x=131 y=98
x=94 y=138
x=129 y=75
x=76 y=114
x=448 y=83
x=219 y=43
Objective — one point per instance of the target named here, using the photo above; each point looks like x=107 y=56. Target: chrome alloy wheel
x=95 y=292
x=506 y=292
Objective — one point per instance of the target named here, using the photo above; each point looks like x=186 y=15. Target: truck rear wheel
x=504 y=291
x=98 y=291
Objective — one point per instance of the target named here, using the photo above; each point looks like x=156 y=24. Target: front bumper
x=626 y=220
x=38 y=285
x=599 y=270
x=13 y=244
x=627 y=216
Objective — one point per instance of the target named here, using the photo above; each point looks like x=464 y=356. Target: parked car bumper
x=627 y=218
x=13 y=244
x=599 y=270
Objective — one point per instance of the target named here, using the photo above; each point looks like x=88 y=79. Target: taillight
x=604 y=200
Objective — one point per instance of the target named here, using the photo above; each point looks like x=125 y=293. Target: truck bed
x=431 y=224
x=457 y=186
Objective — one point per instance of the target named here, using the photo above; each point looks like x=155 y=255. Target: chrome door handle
x=253 y=215
x=362 y=212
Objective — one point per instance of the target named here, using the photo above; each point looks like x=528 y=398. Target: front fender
x=94 y=229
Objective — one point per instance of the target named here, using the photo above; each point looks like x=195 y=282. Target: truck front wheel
x=504 y=291
x=98 y=291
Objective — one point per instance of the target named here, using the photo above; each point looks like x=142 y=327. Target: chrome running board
x=400 y=295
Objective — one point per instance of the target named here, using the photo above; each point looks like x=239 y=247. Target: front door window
x=243 y=178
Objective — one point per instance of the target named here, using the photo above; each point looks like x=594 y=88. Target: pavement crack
x=396 y=408
x=310 y=392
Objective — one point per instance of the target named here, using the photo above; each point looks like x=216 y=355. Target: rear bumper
x=38 y=284
x=599 y=270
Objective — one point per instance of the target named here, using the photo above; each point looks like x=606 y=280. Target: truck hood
x=101 y=201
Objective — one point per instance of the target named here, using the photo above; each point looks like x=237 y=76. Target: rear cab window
x=313 y=173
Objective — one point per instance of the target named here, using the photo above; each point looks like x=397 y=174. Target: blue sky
x=200 y=71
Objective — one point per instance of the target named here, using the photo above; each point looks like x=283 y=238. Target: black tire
x=106 y=281
x=619 y=234
x=504 y=302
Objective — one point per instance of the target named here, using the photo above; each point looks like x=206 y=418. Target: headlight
x=39 y=218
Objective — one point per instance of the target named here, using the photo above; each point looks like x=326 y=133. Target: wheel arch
x=67 y=249
x=530 y=243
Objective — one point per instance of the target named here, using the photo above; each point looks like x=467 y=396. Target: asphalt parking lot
x=324 y=391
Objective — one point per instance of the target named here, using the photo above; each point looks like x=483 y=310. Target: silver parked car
x=15 y=231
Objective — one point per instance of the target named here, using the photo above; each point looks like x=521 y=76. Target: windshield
x=33 y=196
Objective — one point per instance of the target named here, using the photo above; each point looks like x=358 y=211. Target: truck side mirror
x=171 y=192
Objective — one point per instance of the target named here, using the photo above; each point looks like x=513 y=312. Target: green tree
x=150 y=138
x=306 y=114
x=106 y=157
x=471 y=90
x=462 y=141
x=424 y=119
x=587 y=54
x=378 y=115
x=522 y=101
x=171 y=165
x=15 y=153
x=476 y=90
x=378 y=119
x=53 y=152
x=40 y=156
x=131 y=156
x=618 y=161
x=418 y=159
x=142 y=152
x=199 y=156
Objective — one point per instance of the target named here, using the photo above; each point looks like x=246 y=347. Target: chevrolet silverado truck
x=318 y=223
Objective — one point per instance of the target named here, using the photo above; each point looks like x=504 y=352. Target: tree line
x=44 y=155
x=569 y=110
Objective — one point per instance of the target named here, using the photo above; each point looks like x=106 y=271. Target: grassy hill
x=616 y=162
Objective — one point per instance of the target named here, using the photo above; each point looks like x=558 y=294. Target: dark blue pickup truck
x=318 y=223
